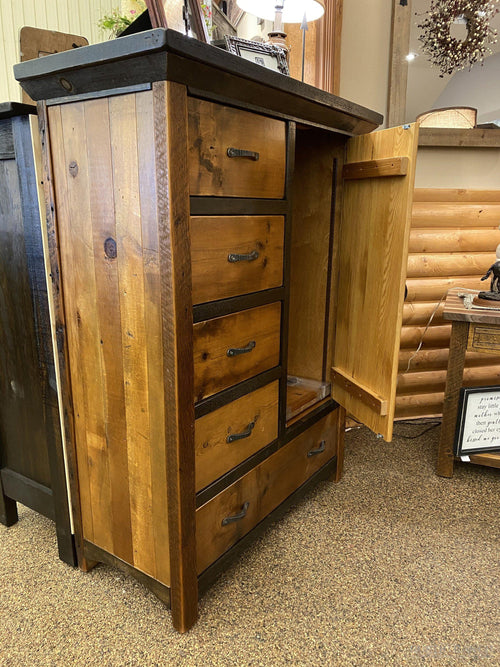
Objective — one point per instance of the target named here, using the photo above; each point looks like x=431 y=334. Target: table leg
x=454 y=378
x=8 y=509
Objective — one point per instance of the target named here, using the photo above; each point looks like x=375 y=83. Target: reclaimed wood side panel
x=104 y=177
x=453 y=238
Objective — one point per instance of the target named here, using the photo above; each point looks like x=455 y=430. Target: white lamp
x=285 y=11
x=292 y=11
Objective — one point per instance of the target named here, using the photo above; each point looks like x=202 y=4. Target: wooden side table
x=477 y=330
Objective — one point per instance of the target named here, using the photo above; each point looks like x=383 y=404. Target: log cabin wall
x=453 y=239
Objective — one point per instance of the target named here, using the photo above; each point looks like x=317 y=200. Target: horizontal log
x=449 y=264
x=442 y=214
x=437 y=359
x=420 y=313
x=433 y=289
x=434 y=336
x=475 y=137
x=482 y=239
x=423 y=405
x=427 y=382
x=389 y=166
x=455 y=195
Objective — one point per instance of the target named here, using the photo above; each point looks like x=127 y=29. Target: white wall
x=468 y=168
x=78 y=17
x=365 y=53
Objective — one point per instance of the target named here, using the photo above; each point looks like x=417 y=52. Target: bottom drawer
x=227 y=517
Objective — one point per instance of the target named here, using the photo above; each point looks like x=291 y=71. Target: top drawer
x=258 y=172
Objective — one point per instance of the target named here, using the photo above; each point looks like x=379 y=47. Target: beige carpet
x=393 y=566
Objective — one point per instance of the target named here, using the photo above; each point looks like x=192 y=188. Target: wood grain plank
x=398 y=66
x=64 y=298
x=97 y=128
x=78 y=483
x=461 y=138
x=455 y=214
x=123 y=131
x=437 y=240
x=153 y=326
x=442 y=265
x=458 y=345
x=397 y=166
x=455 y=195
x=171 y=142
x=77 y=259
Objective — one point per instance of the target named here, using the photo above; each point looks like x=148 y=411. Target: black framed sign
x=271 y=56
x=478 y=421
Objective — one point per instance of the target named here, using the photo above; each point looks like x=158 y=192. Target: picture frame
x=271 y=56
x=478 y=421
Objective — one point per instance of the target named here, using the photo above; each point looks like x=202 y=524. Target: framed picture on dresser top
x=268 y=55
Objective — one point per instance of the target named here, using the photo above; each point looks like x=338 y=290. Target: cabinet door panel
x=374 y=234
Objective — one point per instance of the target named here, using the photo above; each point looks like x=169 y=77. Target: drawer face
x=263 y=488
x=213 y=129
x=233 y=348
x=484 y=338
x=226 y=437
x=232 y=255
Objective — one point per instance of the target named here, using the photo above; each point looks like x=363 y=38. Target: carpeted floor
x=393 y=566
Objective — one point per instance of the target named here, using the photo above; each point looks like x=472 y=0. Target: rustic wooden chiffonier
x=218 y=245
x=32 y=467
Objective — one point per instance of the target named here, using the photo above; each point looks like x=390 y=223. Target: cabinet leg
x=454 y=376
x=8 y=509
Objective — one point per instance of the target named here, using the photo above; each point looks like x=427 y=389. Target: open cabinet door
x=373 y=246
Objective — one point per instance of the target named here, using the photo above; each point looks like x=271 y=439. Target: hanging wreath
x=447 y=52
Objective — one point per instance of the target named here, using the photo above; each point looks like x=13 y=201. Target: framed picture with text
x=478 y=421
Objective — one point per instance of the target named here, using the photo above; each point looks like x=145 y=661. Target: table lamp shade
x=293 y=10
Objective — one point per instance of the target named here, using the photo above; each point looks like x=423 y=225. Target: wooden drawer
x=261 y=490
x=235 y=255
x=213 y=129
x=218 y=364
x=226 y=437
x=484 y=338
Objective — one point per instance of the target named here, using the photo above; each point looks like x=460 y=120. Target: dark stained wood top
x=158 y=55
x=454 y=309
x=10 y=109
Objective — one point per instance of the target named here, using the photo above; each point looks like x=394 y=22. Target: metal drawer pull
x=239 y=152
x=233 y=257
x=236 y=517
x=233 y=351
x=240 y=436
x=321 y=448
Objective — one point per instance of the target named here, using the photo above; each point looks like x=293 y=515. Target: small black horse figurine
x=495 y=270
x=494 y=292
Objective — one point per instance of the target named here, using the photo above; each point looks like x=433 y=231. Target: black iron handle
x=233 y=351
x=236 y=517
x=233 y=257
x=321 y=448
x=240 y=436
x=240 y=152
